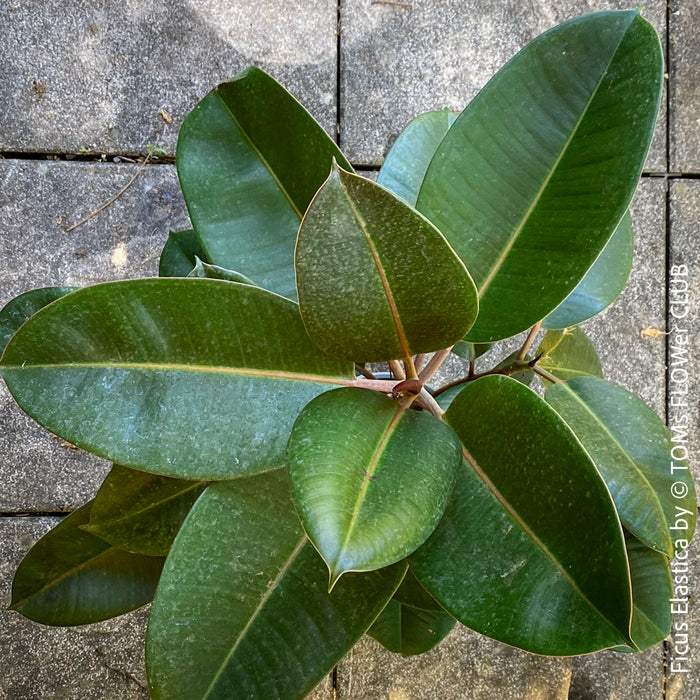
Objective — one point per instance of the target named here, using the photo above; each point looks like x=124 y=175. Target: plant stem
x=434 y=364
x=397 y=369
x=529 y=341
x=545 y=374
x=410 y=368
x=384 y=385
x=507 y=371
x=425 y=400
x=418 y=361
x=364 y=371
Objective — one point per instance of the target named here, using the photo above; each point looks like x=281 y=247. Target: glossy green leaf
x=412 y=593
x=406 y=163
x=631 y=448
x=376 y=279
x=180 y=254
x=71 y=577
x=214 y=272
x=530 y=550
x=536 y=173
x=470 y=351
x=22 y=307
x=568 y=353
x=409 y=631
x=191 y=378
x=370 y=478
x=141 y=512
x=651 y=592
x=250 y=158
x=602 y=283
x=243 y=609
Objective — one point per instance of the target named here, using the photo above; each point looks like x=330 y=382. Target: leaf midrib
x=511 y=243
x=66 y=574
x=134 y=514
x=540 y=544
x=388 y=293
x=265 y=598
x=178 y=367
x=250 y=141
x=369 y=473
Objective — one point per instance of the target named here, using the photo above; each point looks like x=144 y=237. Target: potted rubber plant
x=272 y=492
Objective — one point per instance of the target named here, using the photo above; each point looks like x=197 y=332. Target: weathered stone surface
x=609 y=675
x=685 y=250
x=38 y=199
x=684 y=86
x=399 y=60
x=96 y=74
x=464 y=666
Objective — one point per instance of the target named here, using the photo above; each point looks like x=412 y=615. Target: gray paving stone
x=684 y=86
x=609 y=675
x=464 y=666
x=102 y=661
x=37 y=200
x=685 y=250
x=96 y=74
x=399 y=61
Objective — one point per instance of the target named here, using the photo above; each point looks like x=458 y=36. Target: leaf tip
x=333 y=579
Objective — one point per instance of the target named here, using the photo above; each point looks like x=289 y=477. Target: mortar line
x=338 y=96
x=335 y=680
x=85 y=157
x=666 y=649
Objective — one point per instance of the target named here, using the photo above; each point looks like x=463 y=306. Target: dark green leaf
x=530 y=550
x=71 y=577
x=19 y=309
x=410 y=631
x=411 y=593
x=602 y=283
x=470 y=351
x=250 y=158
x=536 y=173
x=377 y=280
x=214 y=272
x=192 y=378
x=631 y=448
x=141 y=512
x=568 y=353
x=243 y=609
x=651 y=592
x=180 y=254
x=370 y=478
x=406 y=163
